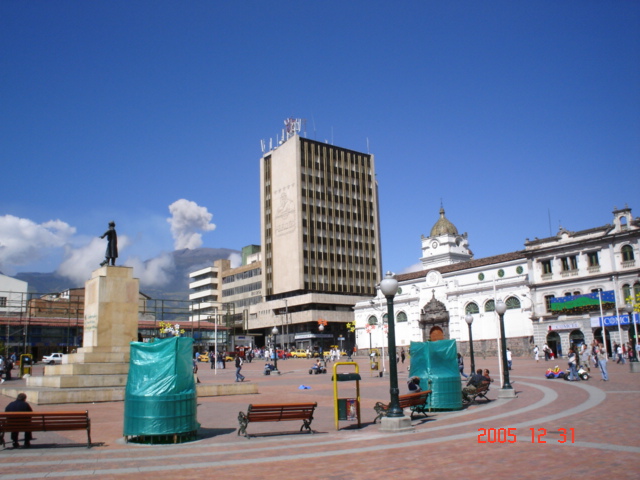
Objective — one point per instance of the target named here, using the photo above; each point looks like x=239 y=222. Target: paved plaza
x=561 y=430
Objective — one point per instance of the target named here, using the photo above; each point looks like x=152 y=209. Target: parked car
x=204 y=357
x=300 y=353
x=229 y=356
x=52 y=359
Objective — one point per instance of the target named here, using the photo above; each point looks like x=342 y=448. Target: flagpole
x=604 y=327
x=615 y=301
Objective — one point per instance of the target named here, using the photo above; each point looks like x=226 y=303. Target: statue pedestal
x=97 y=372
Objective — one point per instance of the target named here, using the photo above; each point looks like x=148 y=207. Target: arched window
x=372 y=320
x=472 y=308
x=627 y=253
x=401 y=317
x=385 y=318
x=490 y=306
x=626 y=291
x=512 y=303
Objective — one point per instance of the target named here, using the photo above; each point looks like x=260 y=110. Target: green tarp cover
x=160 y=397
x=436 y=364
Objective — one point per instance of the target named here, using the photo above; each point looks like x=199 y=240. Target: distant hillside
x=185 y=261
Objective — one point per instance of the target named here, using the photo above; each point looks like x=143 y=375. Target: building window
x=627 y=253
x=626 y=292
x=3 y=301
x=372 y=320
x=547 y=302
x=569 y=263
x=471 y=308
x=512 y=303
x=594 y=261
x=546 y=267
x=490 y=306
x=401 y=317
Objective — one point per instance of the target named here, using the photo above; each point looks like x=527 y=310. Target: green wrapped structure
x=436 y=364
x=160 y=397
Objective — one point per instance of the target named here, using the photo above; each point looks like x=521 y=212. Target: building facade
x=320 y=238
x=432 y=303
x=436 y=302
x=572 y=265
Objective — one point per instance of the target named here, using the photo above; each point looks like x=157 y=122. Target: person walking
x=239 y=377
x=601 y=355
x=20 y=405
x=212 y=359
x=536 y=353
x=403 y=355
x=620 y=352
x=461 y=366
x=509 y=359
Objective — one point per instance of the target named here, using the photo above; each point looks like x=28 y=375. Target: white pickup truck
x=52 y=359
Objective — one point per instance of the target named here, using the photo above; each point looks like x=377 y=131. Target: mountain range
x=177 y=288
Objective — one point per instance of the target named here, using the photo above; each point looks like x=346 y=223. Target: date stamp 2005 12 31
x=510 y=435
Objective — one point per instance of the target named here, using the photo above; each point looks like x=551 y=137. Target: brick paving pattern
x=444 y=445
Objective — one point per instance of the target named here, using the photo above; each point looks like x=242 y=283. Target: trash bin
x=26 y=360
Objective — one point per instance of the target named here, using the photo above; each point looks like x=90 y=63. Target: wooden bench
x=277 y=413
x=416 y=401
x=44 y=422
x=481 y=391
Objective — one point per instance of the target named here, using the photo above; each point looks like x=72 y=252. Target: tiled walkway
x=595 y=419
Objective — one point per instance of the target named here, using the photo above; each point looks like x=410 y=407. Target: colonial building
x=433 y=303
x=452 y=289
x=601 y=261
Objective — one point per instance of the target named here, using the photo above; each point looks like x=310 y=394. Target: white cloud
x=23 y=241
x=79 y=262
x=187 y=219
x=236 y=260
x=153 y=273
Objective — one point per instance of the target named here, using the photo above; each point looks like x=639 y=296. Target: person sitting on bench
x=414 y=385
x=474 y=382
x=20 y=405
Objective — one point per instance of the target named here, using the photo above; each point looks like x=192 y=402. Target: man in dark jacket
x=20 y=405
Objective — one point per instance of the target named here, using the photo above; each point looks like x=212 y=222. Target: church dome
x=443 y=226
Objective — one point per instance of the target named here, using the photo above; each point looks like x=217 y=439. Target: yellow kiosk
x=346 y=409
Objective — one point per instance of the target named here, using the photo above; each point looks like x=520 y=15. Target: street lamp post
x=629 y=310
x=389 y=288
x=507 y=389
x=275 y=348
x=469 y=319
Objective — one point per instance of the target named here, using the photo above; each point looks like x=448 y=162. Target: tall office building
x=320 y=237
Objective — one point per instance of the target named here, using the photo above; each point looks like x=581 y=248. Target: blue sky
x=518 y=116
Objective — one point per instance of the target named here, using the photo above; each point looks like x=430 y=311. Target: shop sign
x=612 y=320
x=565 y=326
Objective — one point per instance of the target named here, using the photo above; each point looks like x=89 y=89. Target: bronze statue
x=112 y=245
